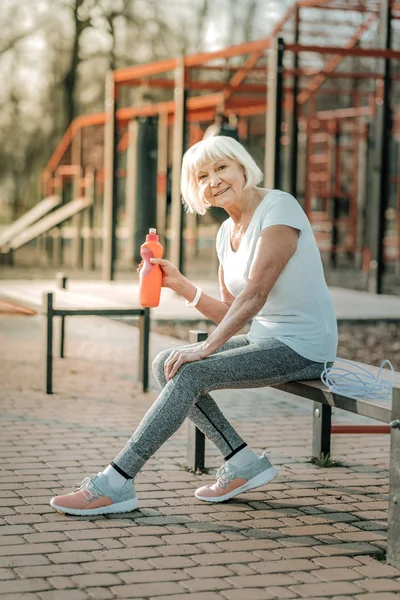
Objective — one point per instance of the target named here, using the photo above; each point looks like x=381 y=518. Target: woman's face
x=221 y=182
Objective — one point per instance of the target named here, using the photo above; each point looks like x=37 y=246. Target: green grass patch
x=326 y=462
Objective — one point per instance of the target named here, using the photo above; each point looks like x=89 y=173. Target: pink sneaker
x=96 y=496
x=232 y=480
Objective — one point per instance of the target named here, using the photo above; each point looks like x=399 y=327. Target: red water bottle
x=150 y=278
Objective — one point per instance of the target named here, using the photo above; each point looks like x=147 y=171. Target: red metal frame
x=247 y=98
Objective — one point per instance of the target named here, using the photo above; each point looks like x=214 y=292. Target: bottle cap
x=152 y=235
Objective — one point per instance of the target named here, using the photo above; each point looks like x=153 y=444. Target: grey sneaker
x=95 y=496
x=232 y=480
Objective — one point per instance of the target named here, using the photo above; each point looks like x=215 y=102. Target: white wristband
x=196 y=299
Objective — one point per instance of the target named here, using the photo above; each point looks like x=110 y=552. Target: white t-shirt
x=299 y=310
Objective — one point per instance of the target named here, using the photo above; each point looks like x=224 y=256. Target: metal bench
x=323 y=401
x=78 y=309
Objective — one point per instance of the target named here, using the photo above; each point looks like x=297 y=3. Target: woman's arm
x=275 y=246
x=213 y=309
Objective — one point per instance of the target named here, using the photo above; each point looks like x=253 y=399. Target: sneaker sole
x=119 y=507
x=261 y=479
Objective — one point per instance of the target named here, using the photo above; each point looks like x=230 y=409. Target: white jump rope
x=358 y=382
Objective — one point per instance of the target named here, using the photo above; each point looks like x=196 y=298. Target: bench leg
x=62 y=281
x=144 y=343
x=321 y=442
x=195 y=448
x=196 y=438
x=47 y=301
x=62 y=337
x=393 y=542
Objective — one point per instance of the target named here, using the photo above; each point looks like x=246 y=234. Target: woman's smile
x=221 y=192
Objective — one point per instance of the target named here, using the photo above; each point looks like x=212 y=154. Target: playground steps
x=46 y=223
x=27 y=220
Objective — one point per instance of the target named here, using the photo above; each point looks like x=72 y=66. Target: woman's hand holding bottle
x=171 y=276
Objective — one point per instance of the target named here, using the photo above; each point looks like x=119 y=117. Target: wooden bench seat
x=385 y=411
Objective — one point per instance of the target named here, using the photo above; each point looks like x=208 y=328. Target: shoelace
x=87 y=488
x=224 y=476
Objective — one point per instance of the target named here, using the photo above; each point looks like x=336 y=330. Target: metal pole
x=274 y=115
x=146 y=349
x=131 y=185
x=62 y=280
x=196 y=438
x=58 y=239
x=307 y=182
x=47 y=307
x=177 y=215
x=110 y=183
x=294 y=117
x=398 y=215
x=162 y=164
x=95 y=219
x=88 y=221
x=76 y=193
x=381 y=165
x=353 y=207
x=321 y=441
x=336 y=199
x=361 y=184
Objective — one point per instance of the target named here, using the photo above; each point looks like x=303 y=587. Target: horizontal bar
x=342 y=113
x=347 y=429
x=97 y=312
x=193 y=60
x=366 y=52
x=344 y=6
x=195 y=84
x=225 y=67
x=219 y=86
x=194 y=103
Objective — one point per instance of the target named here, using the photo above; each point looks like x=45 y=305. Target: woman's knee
x=158 y=363
x=191 y=376
x=159 y=360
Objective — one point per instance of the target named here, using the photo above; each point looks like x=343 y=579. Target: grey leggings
x=239 y=363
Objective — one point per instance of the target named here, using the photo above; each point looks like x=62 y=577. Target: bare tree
x=80 y=23
x=74 y=43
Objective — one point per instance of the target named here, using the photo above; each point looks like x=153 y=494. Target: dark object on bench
x=49 y=312
x=323 y=401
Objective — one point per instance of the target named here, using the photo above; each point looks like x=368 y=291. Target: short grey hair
x=214 y=148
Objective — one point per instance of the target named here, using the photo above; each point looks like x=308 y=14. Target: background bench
x=81 y=305
x=323 y=401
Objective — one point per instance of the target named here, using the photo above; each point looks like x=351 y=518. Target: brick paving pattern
x=312 y=533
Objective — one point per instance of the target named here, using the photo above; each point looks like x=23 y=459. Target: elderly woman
x=271 y=274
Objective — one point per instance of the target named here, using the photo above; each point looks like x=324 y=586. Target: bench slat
x=316 y=391
x=98 y=312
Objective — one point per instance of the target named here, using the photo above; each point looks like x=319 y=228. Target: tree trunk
x=70 y=78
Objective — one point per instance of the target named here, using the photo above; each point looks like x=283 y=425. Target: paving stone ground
x=312 y=533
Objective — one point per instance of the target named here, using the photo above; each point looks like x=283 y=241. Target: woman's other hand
x=171 y=276
x=184 y=355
